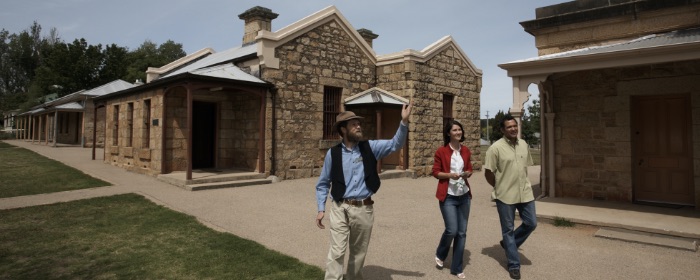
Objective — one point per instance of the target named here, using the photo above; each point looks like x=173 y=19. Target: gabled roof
x=73 y=106
x=375 y=95
x=227 y=71
x=657 y=48
x=153 y=73
x=268 y=41
x=107 y=88
x=215 y=58
x=428 y=53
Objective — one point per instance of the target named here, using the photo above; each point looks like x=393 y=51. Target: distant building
x=68 y=119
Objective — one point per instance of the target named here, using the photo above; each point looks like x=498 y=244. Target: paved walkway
x=408 y=225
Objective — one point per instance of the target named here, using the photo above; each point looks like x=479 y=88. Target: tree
x=150 y=55
x=32 y=66
x=115 y=64
x=531 y=124
x=496 y=132
x=20 y=55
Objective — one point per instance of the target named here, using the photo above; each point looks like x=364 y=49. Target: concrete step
x=227 y=184
x=648 y=238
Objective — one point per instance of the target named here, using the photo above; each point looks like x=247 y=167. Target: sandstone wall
x=325 y=56
x=427 y=83
x=143 y=155
x=592 y=125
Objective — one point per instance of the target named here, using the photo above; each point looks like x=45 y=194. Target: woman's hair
x=448 y=127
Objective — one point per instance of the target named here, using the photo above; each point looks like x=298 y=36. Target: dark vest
x=338 y=178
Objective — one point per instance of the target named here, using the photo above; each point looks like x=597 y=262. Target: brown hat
x=345 y=116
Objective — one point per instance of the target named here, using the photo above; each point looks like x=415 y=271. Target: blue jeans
x=455 y=213
x=513 y=239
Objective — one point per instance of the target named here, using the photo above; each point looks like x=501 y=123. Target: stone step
x=227 y=184
x=648 y=238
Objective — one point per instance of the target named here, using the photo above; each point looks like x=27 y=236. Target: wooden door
x=390 y=123
x=662 y=149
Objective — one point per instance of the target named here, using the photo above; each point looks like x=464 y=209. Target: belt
x=354 y=202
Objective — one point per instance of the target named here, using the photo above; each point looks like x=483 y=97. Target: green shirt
x=509 y=165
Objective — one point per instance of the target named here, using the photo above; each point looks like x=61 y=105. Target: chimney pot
x=368 y=35
x=256 y=19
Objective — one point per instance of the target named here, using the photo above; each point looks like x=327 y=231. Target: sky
x=488 y=31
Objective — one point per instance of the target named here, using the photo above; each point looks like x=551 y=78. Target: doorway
x=390 y=123
x=662 y=152
x=203 y=134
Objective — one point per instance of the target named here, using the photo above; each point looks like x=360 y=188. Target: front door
x=662 y=149
x=390 y=123
x=203 y=134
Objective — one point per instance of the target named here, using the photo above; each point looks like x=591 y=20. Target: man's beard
x=354 y=137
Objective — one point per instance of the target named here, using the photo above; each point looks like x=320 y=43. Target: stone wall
x=608 y=25
x=592 y=125
x=89 y=125
x=239 y=132
x=176 y=131
x=324 y=56
x=444 y=74
x=143 y=155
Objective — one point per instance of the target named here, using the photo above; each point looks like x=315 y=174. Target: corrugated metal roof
x=110 y=87
x=375 y=95
x=70 y=106
x=215 y=59
x=677 y=37
x=227 y=71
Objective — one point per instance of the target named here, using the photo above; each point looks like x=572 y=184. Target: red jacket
x=442 y=164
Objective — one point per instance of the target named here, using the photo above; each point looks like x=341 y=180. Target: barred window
x=129 y=124
x=146 y=135
x=115 y=125
x=331 y=109
x=447 y=103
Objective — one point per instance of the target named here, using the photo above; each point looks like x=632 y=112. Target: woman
x=452 y=167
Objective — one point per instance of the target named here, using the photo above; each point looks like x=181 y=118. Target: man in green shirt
x=506 y=171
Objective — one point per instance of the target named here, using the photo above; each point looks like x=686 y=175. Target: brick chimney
x=368 y=35
x=256 y=18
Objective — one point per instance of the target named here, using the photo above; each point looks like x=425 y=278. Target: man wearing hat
x=350 y=173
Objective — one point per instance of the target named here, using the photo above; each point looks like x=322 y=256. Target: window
x=129 y=124
x=447 y=101
x=115 y=125
x=146 y=136
x=331 y=109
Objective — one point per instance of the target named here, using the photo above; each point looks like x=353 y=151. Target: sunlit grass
x=129 y=237
x=23 y=172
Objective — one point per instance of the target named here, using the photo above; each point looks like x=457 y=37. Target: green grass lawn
x=23 y=172
x=129 y=237
x=116 y=237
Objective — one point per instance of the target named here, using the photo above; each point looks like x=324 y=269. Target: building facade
x=620 y=92
x=268 y=105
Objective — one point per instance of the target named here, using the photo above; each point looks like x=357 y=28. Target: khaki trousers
x=351 y=226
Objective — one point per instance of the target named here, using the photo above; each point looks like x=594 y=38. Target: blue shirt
x=353 y=168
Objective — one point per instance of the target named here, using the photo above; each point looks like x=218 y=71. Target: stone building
x=69 y=119
x=619 y=85
x=267 y=106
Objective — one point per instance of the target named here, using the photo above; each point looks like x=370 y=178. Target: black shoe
x=514 y=273
x=502 y=244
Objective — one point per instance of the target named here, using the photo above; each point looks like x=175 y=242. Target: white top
x=457 y=187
